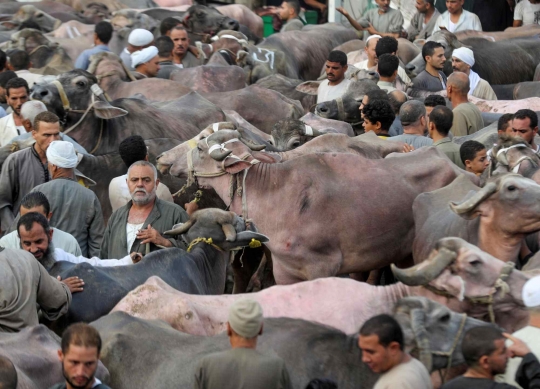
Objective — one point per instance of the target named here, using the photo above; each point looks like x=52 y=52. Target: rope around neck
x=208 y=241
x=450 y=352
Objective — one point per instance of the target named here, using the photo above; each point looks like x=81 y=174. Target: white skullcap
x=531 y=292
x=465 y=54
x=372 y=37
x=143 y=56
x=140 y=37
x=62 y=154
x=246 y=318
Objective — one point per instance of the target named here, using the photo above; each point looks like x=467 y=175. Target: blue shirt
x=83 y=61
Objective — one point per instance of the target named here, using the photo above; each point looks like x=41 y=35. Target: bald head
x=460 y=82
x=8 y=374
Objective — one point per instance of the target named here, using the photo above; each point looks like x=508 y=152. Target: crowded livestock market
x=307 y=194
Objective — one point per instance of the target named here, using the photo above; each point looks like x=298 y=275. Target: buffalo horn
x=470 y=204
x=313 y=133
x=421 y=336
x=229 y=231
x=179 y=229
x=251 y=145
x=426 y=271
x=218 y=138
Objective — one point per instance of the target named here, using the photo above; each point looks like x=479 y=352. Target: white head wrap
x=143 y=56
x=465 y=54
x=246 y=318
x=531 y=292
x=140 y=37
x=62 y=154
x=372 y=37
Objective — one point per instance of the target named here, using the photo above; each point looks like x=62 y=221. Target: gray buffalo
x=29 y=13
x=204 y=79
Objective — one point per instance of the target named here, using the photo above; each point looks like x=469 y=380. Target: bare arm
x=316 y=4
x=517 y=23
x=353 y=22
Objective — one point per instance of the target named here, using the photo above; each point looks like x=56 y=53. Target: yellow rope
x=208 y=241
x=254 y=244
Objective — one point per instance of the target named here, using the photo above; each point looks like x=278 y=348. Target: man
x=24 y=170
x=486 y=356
x=138 y=39
x=381 y=342
x=457 y=19
x=387 y=68
x=146 y=61
x=20 y=63
x=26 y=283
x=467 y=117
x=413 y=119
x=378 y=117
x=182 y=57
x=75 y=209
x=5 y=76
x=432 y=78
x=383 y=20
x=37 y=202
x=165 y=47
x=79 y=356
x=525 y=125
x=397 y=99
x=132 y=149
x=432 y=101
x=527 y=12
x=335 y=84
x=8 y=374
x=473 y=154
x=103 y=33
x=243 y=366
x=144 y=219
x=440 y=122
x=504 y=124
x=369 y=48
x=423 y=21
x=17 y=93
x=463 y=61
x=289 y=13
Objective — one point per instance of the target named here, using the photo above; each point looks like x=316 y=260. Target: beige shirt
x=119 y=192
x=409 y=375
x=484 y=91
x=467 y=120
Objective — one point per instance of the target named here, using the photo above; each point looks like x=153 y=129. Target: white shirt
x=527 y=12
x=467 y=21
x=61 y=255
x=60 y=239
x=401 y=72
x=409 y=375
x=8 y=130
x=31 y=78
x=328 y=93
x=119 y=192
x=451 y=26
x=131 y=233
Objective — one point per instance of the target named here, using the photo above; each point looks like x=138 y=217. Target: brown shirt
x=467 y=120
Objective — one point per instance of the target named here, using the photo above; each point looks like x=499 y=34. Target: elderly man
x=335 y=84
x=20 y=63
x=17 y=93
x=289 y=13
x=463 y=61
x=144 y=219
x=383 y=20
x=138 y=39
x=369 y=48
x=457 y=19
x=525 y=125
x=103 y=33
x=467 y=117
x=432 y=78
x=413 y=119
x=146 y=61
x=182 y=57
x=242 y=366
x=423 y=21
x=75 y=209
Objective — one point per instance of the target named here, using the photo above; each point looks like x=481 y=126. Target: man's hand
x=151 y=235
x=342 y=11
x=371 y=29
x=75 y=284
x=518 y=348
x=136 y=257
x=407 y=148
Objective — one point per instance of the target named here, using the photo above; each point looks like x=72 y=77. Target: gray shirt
x=417 y=30
x=415 y=141
x=388 y=22
x=425 y=81
x=292 y=25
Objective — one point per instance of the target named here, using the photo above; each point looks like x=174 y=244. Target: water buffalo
x=514 y=155
x=505 y=106
x=210 y=78
x=11 y=7
x=29 y=13
x=524 y=90
x=290 y=134
x=287 y=87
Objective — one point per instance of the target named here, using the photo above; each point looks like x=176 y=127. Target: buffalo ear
x=244 y=238
x=309 y=87
x=235 y=165
x=104 y=110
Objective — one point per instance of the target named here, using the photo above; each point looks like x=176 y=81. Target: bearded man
x=138 y=226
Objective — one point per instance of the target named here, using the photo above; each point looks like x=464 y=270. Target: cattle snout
x=230 y=24
x=40 y=93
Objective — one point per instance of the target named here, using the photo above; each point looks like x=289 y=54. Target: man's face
x=17 y=97
x=35 y=241
x=384 y=5
x=438 y=59
x=79 y=365
x=285 y=11
x=46 y=133
x=454 y=6
x=152 y=67
x=375 y=355
x=421 y=6
x=334 y=71
x=141 y=184
x=460 y=66
x=479 y=163
x=498 y=359
x=181 y=42
x=370 y=49
x=508 y=129
x=522 y=128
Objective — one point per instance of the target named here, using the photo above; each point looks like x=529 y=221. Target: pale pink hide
x=506 y=106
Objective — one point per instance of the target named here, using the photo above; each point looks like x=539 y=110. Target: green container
x=311 y=17
x=268 y=29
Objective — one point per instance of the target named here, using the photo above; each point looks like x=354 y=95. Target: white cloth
x=62 y=154
x=451 y=26
x=60 y=239
x=30 y=77
x=119 y=192
x=61 y=255
x=409 y=375
x=527 y=12
x=467 y=21
x=474 y=79
x=140 y=37
x=401 y=72
x=328 y=93
x=8 y=130
x=530 y=336
x=143 y=56
x=464 y=54
x=131 y=233
x=531 y=292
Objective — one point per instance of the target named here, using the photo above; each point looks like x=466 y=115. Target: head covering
x=372 y=37
x=143 y=56
x=62 y=154
x=140 y=37
x=531 y=292
x=246 y=317
x=465 y=54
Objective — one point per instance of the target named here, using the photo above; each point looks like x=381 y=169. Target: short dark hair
x=47 y=117
x=388 y=64
x=386 y=328
x=8 y=374
x=6 y=76
x=16 y=83
x=36 y=199
x=132 y=149
x=322 y=383
x=294 y=4
x=469 y=149
x=442 y=117
x=19 y=60
x=81 y=334
x=479 y=341
x=168 y=24
x=527 y=113
x=104 y=31
x=429 y=48
x=377 y=94
x=3 y=60
x=379 y=111
x=397 y=99
x=386 y=45
x=434 y=100
x=502 y=123
x=29 y=219
x=165 y=46
x=338 y=56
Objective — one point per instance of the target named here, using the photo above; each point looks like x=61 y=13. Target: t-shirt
x=131 y=233
x=467 y=120
x=426 y=81
x=328 y=93
x=409 y=375
x=476 y=383
x=527 y=12
x=451 y=26
x=415 y=141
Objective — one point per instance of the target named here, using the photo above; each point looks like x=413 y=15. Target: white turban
x=140 y=37
x=465 y=54
x=531 y=292
x=62 y=154
x=143 y=56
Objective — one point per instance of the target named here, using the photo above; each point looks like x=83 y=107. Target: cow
x=505 y=106
x=287 y=87
x=205 y=79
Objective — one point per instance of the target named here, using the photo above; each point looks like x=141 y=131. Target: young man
x=165 y=47
x=473 y=154
x=17 y=93
x=440 y=122
x=527 y=12
x=389 y=45
x=387 y=68
x=103 y=33
x=378 y=117
x=467 y=117
x=20 y=63
x=504 y=124
x=432 y=78
x=383 y=20
x=457 y=19
x=463 y=61
x=146 y=61
x=289 y=13
x=525 y=125
x=5 y=77
x=381 y=342
x=413 y=119
x=423 y=21
x=335 y=84
x=168 y=24
x=432 y=101
x=138 y=39
x=182 y=57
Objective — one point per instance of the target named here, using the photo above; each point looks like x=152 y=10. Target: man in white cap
x=138 y=39
x=242 y=367
x=76 y=210
x=369 y=48
x=146 y=61
x=463 y=61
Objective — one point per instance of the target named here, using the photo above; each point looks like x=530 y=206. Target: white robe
x=467 y=21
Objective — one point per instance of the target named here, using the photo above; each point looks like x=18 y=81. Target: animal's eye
x=476 y=262
x=445 y=318
x=511 y=188
x=80 y=83
x=39 y=15
x=296 y=144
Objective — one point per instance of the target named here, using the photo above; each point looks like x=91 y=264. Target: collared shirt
x=125 y=56
x=60 y=239
x=451 y=150
x=61 y=255
x=83 y=60
x=467 y=21
x=418 y=29
x=386 y=85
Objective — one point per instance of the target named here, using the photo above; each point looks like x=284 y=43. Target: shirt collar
x=443 y=140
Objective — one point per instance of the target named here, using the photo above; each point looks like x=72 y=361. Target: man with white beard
x=139 y=225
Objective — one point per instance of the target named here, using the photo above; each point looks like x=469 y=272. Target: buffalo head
x=208 y=20
x=513 y=154
x=29 y=13
x=289 y=134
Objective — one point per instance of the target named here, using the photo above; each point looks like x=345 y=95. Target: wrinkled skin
x=45 y=6
x=30 y=13
x=524 y=90
x=327 y=125
x=204 y=79
x=208 y=20
x=506 y=106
